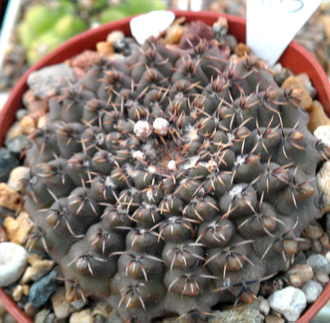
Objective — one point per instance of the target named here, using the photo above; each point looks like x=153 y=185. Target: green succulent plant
x=172 y=180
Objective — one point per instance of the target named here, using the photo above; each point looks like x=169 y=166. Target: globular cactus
x=173 y=180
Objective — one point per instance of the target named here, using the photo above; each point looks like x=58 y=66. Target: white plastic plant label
x=272 y=24
x=152 y=23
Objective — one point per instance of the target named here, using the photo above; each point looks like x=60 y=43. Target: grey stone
x=42 y=289
x=20 y=113
x=8 y=161
x=18 y=144
x=312 y=290
x=289 y=301
x=13 y=261
x=319 y=264
x=41 y=317
x=44 y=81
x=247 y=315
x=78 y=304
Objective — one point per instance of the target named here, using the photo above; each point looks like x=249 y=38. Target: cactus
x=172 y=181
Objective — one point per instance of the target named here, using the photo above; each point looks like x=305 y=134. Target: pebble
x=313 y=230
x=27 y=124
x=41 y=317
x=273 y=319
x=316 y=246
x=122 y=46
x=17 y=293
x=103 y=309
x=61 y=306
x=248 y=315
x=8 y=161
x=115 y=35
x=20 y=113
x=42 y=121
x=327 y=256
x=18 y=230
x=42 y=289
x=289 y=301
x=174 y=33
x=319 y=264
x=79 y=304
x=323 y=133
x=85 y=59
x=264 y=305
x=307 y=84
x=43 y=81
x=28 y=97
x=16 y=175
x=13 y=261
x=281 y=75
x=26 y=289
x=38 y=105
x=299 y=274
x=30 y=310
x=105 y=48
x=14 y=132
x=9 y=198
x=82 y=317
x=293 y=82
x=241 y=50
x=39 y=269
x=323 y=183
x=299 y=258
x=317 y=116
x=325 y=240
x=312 y=290
x=18 y=145
x=322 y=278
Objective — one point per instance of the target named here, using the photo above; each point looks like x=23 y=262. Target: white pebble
x=160 y=125
x=323 y=133
x=13 y=261
x=327 y=256
x=115 y=35
x=312 y=290
x=142 y=129
x=322 y=278
x=289 y=301
x=16 y=175
x=264 y=306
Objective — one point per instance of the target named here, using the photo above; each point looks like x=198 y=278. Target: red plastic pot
x=298 y=59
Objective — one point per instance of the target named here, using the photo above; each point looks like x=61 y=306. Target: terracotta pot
x=298 y=59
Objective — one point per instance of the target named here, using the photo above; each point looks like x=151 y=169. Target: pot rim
x=295 y=56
